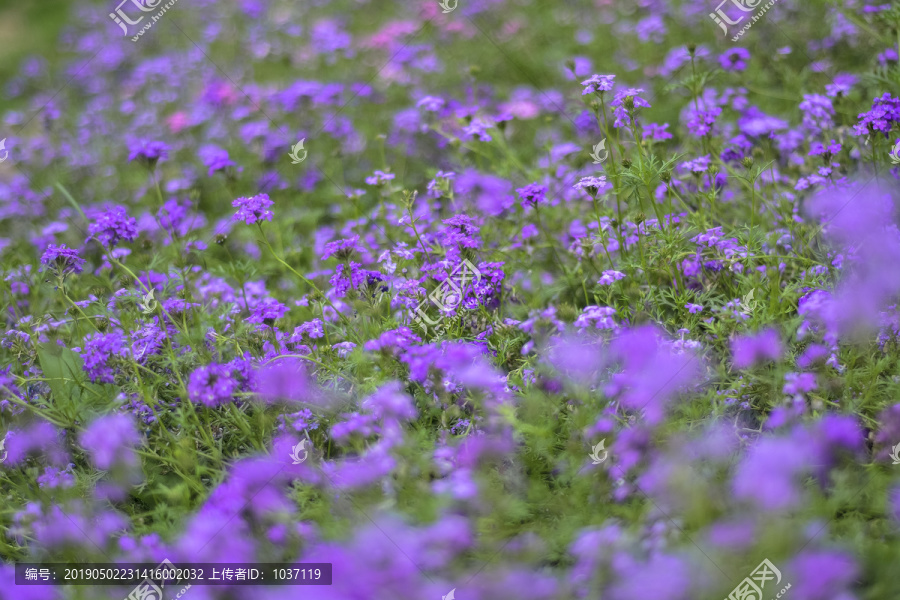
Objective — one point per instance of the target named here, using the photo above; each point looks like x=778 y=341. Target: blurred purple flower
x=734 y=59
x=110 y=440
x=148 y=152
x=750 y=350
x=211 y=385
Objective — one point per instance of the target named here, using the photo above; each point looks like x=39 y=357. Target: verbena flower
x=212 y=385
x=148 y=152
x=611 y=276
x=100 y=353
x=596 y=84
x=532 y=194
x=62 y=261
x=253 y=209
x=752 y=349
x=110 y=440
x=380 y=178
x=112 y=226
x=215 y=159
x=734 y=59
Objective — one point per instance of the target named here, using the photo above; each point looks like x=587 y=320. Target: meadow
x=469 y=299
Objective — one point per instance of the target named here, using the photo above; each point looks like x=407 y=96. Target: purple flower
x=770 y=473
x=700 y=122
x=698 y=165
x=100 y=352
x=343 y=349
x=532 y=194
x=734 y=59
x=253 y=209
x=110 y=440
x=342 y=249
x=379 y=178
x=842 y=84
x=819 y=149
x=694 y=308
x=609 y=277
x=593 y=185
x=147 y=152
x=798 y=383
x=657 y=132
x=61 y=260
x=885 y=112
x=478 y=128
x=430 y=104
x=215 y=158
x=753 y=349
x=822 y=575
x=40 y=439
x=112 y=226
x=652 y=373
x=212 y=385
x=598 y=317
x=267 y=311
x=311 y=329
x=817 y=112
x=596 y=84
x=287 y=379
x=624 y=103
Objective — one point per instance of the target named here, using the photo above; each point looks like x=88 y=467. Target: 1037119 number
x=295 y=574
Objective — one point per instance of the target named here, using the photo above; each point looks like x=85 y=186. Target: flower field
x=466 y=299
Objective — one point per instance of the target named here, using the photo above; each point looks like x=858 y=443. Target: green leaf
x=59 y=366
x=64 y=371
